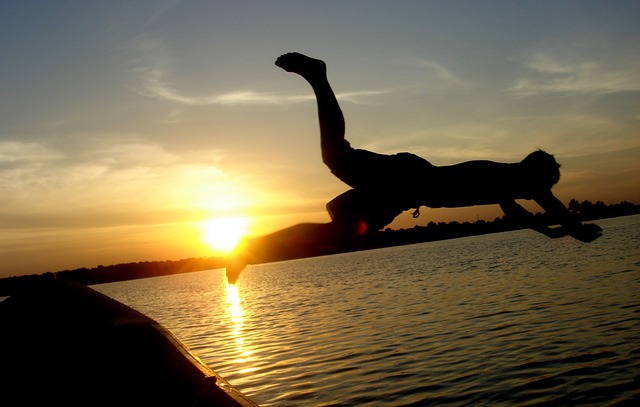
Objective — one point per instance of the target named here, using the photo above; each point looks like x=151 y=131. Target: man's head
x=542 y=168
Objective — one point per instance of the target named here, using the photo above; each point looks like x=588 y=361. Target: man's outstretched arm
x=517 y=212
x=585 y=232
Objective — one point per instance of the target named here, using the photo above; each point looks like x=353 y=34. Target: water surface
x=503 y=319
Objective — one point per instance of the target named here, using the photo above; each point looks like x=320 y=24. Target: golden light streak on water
x=235 y=318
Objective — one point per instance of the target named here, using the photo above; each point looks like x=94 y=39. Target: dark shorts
x=362 y=169
x=384 y=187
x=358 y=207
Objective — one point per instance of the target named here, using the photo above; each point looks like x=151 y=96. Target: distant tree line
x=117 y=272
x=599 y=210
x=585 y=211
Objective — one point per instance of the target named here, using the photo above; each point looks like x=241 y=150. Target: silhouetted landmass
x=117 y=272
x=585 y=211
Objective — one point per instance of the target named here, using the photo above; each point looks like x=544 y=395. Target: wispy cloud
x=440 y=72
x=134 y=177
x=156 y=86
x=162 y=8
x=551 y=71
x=12 y=152
x=155 y=75
x=360 y=97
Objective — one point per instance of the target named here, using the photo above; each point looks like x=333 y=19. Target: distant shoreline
x=585 y=211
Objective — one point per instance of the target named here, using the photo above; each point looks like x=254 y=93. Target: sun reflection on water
x=235 y=314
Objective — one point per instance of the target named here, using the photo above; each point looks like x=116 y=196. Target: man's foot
x=303 y=65
x=234 y=266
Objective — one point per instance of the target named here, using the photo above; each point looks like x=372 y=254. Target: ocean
x=504 y=319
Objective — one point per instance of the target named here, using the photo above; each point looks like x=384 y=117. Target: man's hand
x=587 y=232
x=554 y=233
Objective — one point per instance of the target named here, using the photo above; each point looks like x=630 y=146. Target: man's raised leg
x=332 y=126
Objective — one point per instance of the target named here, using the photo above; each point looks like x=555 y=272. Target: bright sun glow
x=224 y=234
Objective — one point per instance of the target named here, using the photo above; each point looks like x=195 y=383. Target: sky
x=127 y=126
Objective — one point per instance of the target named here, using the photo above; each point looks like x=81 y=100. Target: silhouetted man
x=386 y=185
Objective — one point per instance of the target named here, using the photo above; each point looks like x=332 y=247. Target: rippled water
x=511 y=318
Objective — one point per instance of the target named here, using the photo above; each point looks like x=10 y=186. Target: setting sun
x=224 y=234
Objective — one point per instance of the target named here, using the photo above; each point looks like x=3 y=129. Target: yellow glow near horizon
x=223 y=234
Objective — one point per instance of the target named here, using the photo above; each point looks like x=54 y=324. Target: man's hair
x=542 y=169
